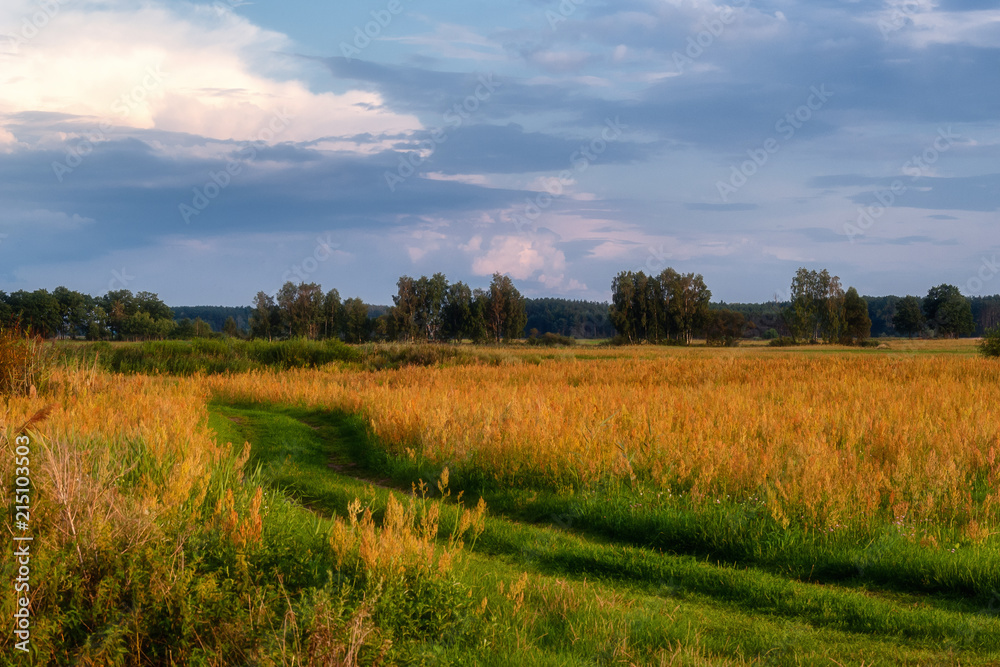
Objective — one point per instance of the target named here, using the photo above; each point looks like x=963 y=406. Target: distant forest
x=589 y=319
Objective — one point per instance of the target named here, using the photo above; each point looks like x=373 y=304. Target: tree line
x=118 y=315
x=424 y=309
x=673 y=307
x=670 y=308
x=666 y=308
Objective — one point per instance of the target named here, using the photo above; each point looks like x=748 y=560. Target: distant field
x=643 y=505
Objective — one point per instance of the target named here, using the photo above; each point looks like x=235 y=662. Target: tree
x=202 y=329
x=621 y=311
x=185 y=329
x=149 y=303
x=948 y=312
x=265 y=318
x=505 y=315
x=230 y=328
x=406 y=306
x=687 y=299
x=817 y=305
x=857 y=323
x=909 y=318
x=725 y=328
x=357 y=326
x=333 y=313
x=36 y=310
x=457 y=314
x=990 y=345
x=832 y=315
x=954 y=317
x=301 y=308
x=74 y=308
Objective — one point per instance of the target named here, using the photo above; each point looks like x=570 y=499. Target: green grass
x=603 y=585
x=209 y=356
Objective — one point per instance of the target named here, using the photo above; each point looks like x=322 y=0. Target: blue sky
x=206 y=151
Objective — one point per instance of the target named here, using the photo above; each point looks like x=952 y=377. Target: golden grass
x=822 y=438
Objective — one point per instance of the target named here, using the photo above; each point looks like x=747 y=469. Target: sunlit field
x=594 y=505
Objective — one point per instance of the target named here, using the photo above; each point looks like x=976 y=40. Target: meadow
x=442 y=505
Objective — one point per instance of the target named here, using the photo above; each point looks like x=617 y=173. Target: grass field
x=592 y=505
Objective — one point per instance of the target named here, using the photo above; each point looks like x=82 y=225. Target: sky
x=206 y=151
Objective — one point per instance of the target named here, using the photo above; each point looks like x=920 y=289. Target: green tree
x=948 y=312
x=185 y=329
x=357 y=325
x=909 y=318
x=857 y=323
x=333 y=313
x=505 y=315
x=954 y=317
x=301 y=308
x=230 y=328
x=265 y=320
x=725 y=328
x=74 y=309
x=431 y=300
x=817 y=306
x=990 y=345
x=202 y=329
x=36 y=310
x=149 y=303
x=457 y=314
x=406 y=309
x=687 y=302
x=622 y=309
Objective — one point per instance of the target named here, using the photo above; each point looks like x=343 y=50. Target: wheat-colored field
x=823 y=440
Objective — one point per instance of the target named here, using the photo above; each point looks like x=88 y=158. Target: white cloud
x=521 y=257
x=200 y=72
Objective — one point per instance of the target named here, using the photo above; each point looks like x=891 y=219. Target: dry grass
x=24 y=361
x=821 y=439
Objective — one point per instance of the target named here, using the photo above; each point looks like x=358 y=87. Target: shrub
x=782 y=341
x=990 y=345
x=24 y=361
x=552 y=340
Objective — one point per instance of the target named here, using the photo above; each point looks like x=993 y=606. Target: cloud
x=521 y=257
x=186 y=70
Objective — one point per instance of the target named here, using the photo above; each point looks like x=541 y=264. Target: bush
x=24 y=361
x=552 y=340
x=990 y=345
x=783 y=341
x=214 y=356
